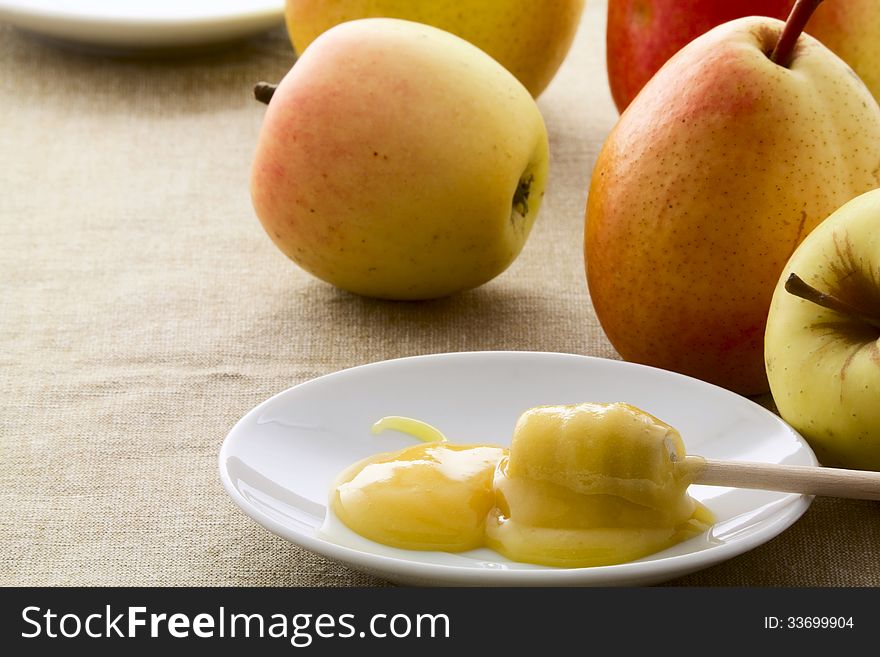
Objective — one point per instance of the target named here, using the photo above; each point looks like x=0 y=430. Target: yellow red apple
x=399 y=161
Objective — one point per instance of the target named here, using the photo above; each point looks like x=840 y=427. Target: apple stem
x=797 y=21
x=263 y=91
x=795 y=285
x=521 y=196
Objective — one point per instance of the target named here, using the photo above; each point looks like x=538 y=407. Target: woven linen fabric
x=144 y=311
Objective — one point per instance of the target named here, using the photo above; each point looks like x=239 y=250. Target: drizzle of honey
x=581 y=485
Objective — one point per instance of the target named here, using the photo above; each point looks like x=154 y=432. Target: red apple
x=643 y=34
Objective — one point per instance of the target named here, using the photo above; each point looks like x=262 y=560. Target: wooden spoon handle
x=831 y=482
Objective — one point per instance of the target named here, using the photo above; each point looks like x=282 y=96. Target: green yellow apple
x=822 y=345
x=531 y=39
x=399 y=161
x=712 y=176
x=643 y=34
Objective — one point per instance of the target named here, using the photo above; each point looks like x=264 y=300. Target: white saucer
x=143 y=24
x=279 y=461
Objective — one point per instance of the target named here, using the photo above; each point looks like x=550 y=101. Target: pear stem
x=797 y=21
x=795 y=285
x=263 y=91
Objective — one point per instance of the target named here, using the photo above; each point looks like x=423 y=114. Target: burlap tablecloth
x=144 y=311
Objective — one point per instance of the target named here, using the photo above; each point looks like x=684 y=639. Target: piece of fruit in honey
x=431 y=496
x=591 y=484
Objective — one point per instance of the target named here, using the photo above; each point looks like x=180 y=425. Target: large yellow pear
x=713 y=175
x=529 y=38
